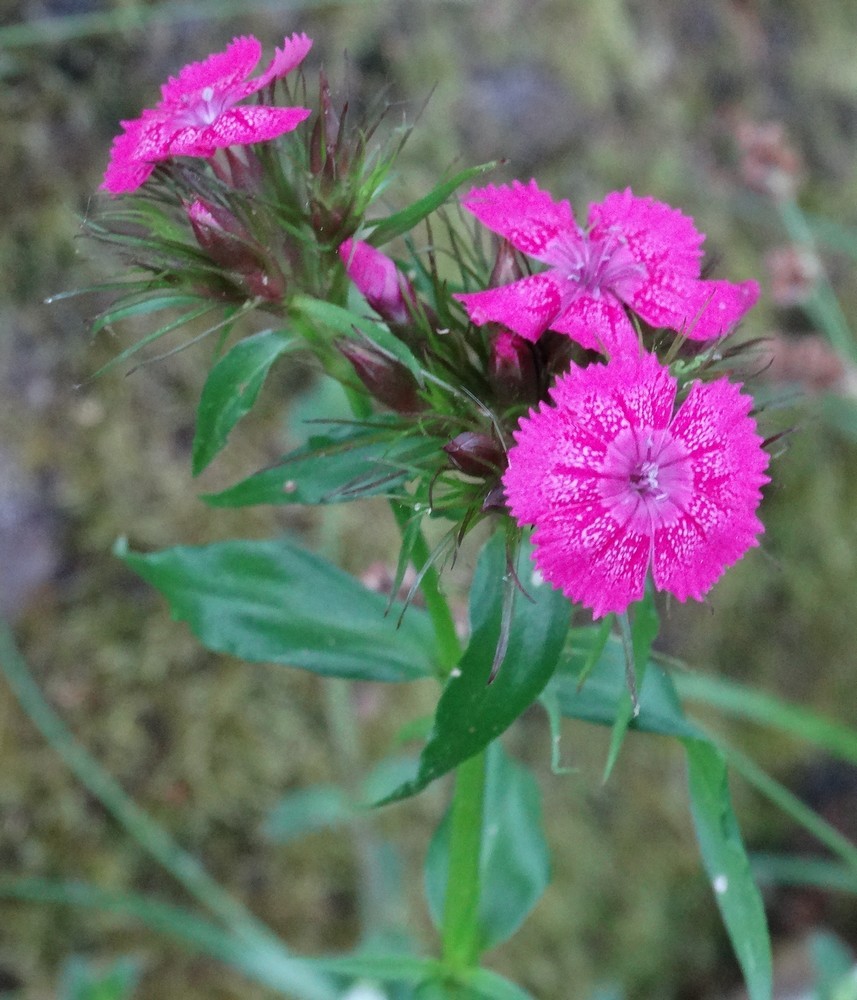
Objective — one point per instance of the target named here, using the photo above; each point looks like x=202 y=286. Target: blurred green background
x=587 y=97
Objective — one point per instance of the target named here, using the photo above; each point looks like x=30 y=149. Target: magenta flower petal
x=223 y=72
x=289 y=57
x=237 y=127
x=617 y=484
x=712 y=427
x=668 y=246
x=720 y=306
x=638 y=254
x=528 y=306
x=126 y=171
x=658 y=236
x=197 y=113
x=599 y=324
x=527 y=217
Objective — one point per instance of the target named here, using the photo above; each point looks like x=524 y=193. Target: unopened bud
x=380 y=282
x=386 y=379
x=507 y=267
x=231 y=247
x=512 y=369
x=474 y=454
x=495 y=499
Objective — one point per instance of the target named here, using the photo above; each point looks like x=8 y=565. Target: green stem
x=153 y=838
x=460 y=932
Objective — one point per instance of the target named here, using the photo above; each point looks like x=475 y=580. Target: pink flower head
x=197 y=113
x=635 y=252
x=618 y=482
x=378 y=280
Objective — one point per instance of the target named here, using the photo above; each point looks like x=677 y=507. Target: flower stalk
x=460 y=933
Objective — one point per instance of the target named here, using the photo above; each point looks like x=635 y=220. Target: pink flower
x=636 y=252
x=378 y=279
x=197 y=113
x=618 y=482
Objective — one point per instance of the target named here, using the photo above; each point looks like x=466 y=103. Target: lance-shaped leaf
x=231 y=390
x=473 y=710
x=513 y=859
x=272 y=602
x=603 y=691
x=335 y=465
x=387 y=229
x=727 y=865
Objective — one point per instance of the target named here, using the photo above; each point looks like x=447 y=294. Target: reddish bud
x=229 y=245
x=474 y=454
x=495 y=499
x=380 y=282
x=507 y=267
x=387 y=380
x=512 y=369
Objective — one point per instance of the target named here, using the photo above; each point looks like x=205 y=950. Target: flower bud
x=507 y=268
x=474 y=454
x=380 y=282
x=495 y=499
x=231 y=247
x=512 y=369
x=386 y=379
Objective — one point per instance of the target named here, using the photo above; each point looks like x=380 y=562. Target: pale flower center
x=204 y=109
x=599 y=264
x=646 y=479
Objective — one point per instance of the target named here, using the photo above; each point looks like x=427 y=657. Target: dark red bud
x=386 y=379
x=495 y=499
x=474 y=454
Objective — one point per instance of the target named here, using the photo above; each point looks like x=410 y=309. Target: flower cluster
x=620 y=482
x=536 y=381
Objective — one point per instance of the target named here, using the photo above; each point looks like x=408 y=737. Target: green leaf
x=489 y=985
x=395 y=225
x=790 y=869
x=834 y=971
x=143 y=307
x=840 y=413
x=738 y=701
x=513 y=862
x=386 y=968
x=337 y=465
x=231 y=390
x=823 y=831
x=263 y=960
x=306 y=811
x=175 y=324
x=83 y=980
x=603 y=690
x=472 y=712
x=345 y=322
x=273 y=602
x=728 y=867
x=386 y=776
